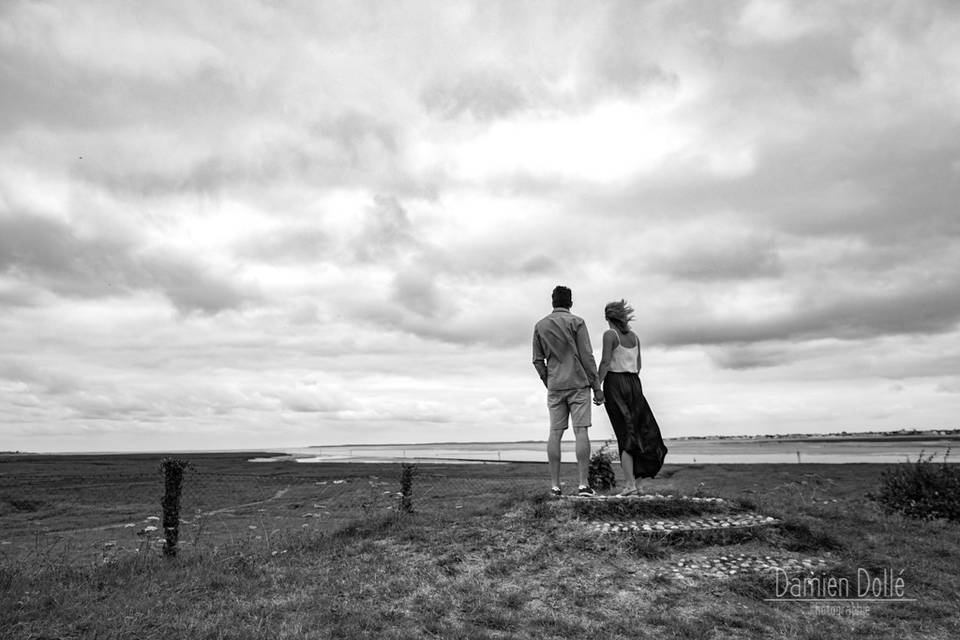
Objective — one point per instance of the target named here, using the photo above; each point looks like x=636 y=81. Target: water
x=707 y=451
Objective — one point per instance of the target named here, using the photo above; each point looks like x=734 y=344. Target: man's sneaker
x=555 y=491
x=585 y=491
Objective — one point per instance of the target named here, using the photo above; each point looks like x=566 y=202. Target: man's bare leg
x=583 y=454
x=553 y=455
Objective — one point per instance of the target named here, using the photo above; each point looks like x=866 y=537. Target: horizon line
x=850 y=435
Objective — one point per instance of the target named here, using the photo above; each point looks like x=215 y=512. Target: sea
x=684 y=451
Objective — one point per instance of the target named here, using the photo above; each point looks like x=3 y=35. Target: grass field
x=484 y=555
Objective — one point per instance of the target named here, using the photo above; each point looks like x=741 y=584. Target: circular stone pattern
x=731 y=565
x=651 y=496
x=695 y=524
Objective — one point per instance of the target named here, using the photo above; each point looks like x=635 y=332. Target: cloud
x=920 y=308
x=536 y=264
x=951 y=386
x=189 y=286
x=51 y=254
x=715 y=251
x=357 y=212
x=750 y=356
x=385 y=231
x=314 y=399
x=415 y=290
x=16 y=294
x=466 y=325
x=483 y=94
x=306 y=244
x=43 y=380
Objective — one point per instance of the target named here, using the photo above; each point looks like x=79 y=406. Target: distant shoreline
x=947 y=435
x=940 y=434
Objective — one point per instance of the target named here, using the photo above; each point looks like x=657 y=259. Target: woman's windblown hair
x=620 y=314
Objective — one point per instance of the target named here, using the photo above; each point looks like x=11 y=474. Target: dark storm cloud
x=917 y=308
x=51 y=254
x=750 y=356
x=894 y=184
x=891 y=184
x=706 y=260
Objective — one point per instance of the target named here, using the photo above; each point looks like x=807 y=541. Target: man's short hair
x=562 y=297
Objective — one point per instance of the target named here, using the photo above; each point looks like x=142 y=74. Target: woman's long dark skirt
x=637 y=430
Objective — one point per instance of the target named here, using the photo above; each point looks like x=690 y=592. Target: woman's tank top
x=623 y=359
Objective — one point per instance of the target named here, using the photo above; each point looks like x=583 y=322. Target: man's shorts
x=569 y=403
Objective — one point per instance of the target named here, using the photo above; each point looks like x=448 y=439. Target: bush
x=921 y=489
x=602 y=476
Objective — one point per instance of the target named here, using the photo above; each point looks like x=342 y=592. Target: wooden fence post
x=172 y=469
x=407 y=472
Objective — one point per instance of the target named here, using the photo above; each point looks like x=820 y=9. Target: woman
x=638 y=436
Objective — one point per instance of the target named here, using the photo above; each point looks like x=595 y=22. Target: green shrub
x=921 y=489
x=602 y=476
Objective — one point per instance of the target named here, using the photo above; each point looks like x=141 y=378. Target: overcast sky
x=262 y=224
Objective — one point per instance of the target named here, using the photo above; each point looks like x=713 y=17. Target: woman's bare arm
x=609 y=338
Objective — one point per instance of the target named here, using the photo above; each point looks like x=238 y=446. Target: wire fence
x=69 y=518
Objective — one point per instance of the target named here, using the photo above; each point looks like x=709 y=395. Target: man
x=564 y=360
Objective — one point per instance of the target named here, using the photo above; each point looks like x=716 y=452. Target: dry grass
x=507 y=564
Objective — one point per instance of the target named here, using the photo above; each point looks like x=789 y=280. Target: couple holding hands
x=564 y=360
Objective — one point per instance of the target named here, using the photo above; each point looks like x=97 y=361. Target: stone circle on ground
x=725 y=566
x=740 y=521
x=700 y=566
